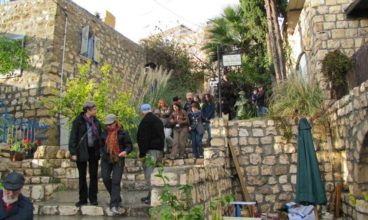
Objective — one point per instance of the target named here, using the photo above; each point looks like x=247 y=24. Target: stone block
x=49 y=210
x=330 y=18
x=71 y=173
x=252 y=170
x=270 y=131
x=266 y=170
x=35 y=180
x=287 y=188
x=364 y=23
x=92 y=210
x=281 y=170
x=253 y=141
x=68 y=210
x=243 y=141
x=37 y=192
x=243 y=132
x=266 y=140
x=333 y=43
x=335 y=9
x=255 y=159
x=257 y=132
x=283 y=179
x=269 y=160
x=217 y=142
x=259 y=124
x=49 y=189
x=36 y=209
x=233 y=132
x=338 y=33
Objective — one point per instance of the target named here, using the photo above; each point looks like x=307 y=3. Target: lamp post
x=219 y=80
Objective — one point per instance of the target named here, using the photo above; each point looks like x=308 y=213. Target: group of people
x=89 y=143
x=183 y=120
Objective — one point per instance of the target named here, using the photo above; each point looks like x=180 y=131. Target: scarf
x=93 y=126
x=112 y=142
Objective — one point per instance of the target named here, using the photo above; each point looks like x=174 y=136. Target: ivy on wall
x=335 y=66
x=12 y=55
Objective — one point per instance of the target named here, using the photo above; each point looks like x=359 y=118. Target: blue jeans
x=261 y=111
x=197 y=144
x=207 y=127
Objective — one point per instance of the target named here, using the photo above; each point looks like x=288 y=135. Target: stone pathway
x=62 y=204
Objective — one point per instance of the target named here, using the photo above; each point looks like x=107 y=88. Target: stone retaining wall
x=269 y=160
x=43 y=24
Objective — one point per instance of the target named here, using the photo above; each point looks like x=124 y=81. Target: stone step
x=40 y=192
x=62 y=203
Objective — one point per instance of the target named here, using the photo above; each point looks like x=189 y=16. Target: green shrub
x=295 y=97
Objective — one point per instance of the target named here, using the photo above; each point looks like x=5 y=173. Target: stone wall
x=323 y=27
x=43 y=24
x=269 y=160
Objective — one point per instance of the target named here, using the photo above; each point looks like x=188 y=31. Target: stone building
x=316 y=27
x=59 y=35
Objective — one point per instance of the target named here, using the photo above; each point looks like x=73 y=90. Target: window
x=90 y=45
x=302 y=67
x=18 y=60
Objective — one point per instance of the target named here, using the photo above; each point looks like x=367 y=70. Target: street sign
x=231 y=60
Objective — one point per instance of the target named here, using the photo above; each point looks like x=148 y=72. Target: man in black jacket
x=84 y=146
x=150 y=138
x=14 y=206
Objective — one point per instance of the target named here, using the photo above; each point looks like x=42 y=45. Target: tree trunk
x=271 y=40
x=279 y=46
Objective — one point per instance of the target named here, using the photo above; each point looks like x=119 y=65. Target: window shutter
x=96 y=49
x=84 y=44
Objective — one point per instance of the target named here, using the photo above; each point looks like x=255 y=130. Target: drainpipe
x=63 y=54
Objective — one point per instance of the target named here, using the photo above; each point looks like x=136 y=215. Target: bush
x=295 y=97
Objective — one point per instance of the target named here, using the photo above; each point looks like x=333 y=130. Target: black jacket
x=125 y=144
x=150 y=134
x=22 y=209
x=78 y=143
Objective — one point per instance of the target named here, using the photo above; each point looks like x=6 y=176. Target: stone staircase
x=52 y=185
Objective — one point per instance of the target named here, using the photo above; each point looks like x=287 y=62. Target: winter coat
x=125 y=144
x=208 y=111
x=150 y=135
x=78 y=143
x=180 y=118
x=196 y=122
x=22 y=209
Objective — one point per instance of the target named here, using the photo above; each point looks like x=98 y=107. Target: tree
x=274 y=36
x=172 y=55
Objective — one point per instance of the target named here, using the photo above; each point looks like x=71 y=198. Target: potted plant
x=16 y=151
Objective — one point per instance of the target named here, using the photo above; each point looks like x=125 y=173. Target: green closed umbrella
x=309 y=185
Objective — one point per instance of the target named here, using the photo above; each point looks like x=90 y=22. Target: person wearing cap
x=150 y=138
x=84 y=147
x=14 y=206
x=188 y=105
x=117 y=146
